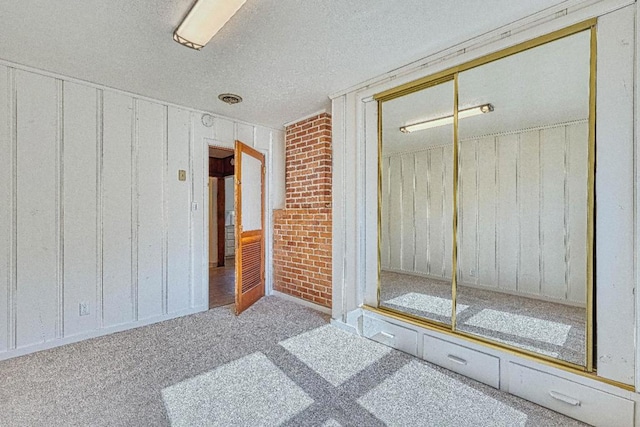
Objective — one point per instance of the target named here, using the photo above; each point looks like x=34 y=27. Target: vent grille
x=230 y=98
x=251 y=265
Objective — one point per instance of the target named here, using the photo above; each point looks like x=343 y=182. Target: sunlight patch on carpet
x=422 y=396
x=250 y=391
x=334 y=354
x=521 y=326
x=427 y=303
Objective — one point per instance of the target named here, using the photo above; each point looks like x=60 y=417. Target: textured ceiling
x=284 y=57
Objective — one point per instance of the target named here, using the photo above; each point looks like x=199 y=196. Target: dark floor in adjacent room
x=278 y=363
x=222 y=284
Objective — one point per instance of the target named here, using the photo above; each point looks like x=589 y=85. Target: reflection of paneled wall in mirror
x=416 y=210
x=522 y=240
x=522 y=200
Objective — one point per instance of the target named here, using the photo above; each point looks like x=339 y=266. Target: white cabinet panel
x=575 y=400
x=179 y=267
x=116 y=209
x=615 y=196
x=386 y=333
x=471 y=363
x=37 y=209
x=80 y=207
x=6 y=205
x=151 y=158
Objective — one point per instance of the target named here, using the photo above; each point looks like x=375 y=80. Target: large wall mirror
x=486 y=198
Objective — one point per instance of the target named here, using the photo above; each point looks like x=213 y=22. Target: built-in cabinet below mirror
x=536 y=251
x=486 y=198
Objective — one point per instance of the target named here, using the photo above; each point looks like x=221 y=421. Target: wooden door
x=249 y=196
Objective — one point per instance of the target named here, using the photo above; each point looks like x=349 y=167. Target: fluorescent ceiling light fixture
x=447 y=120
x=204 y=20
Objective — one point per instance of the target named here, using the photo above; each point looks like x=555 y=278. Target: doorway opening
x=222 y=280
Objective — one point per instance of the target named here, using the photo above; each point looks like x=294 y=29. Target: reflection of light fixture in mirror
x=204 y=20
x=446 y=120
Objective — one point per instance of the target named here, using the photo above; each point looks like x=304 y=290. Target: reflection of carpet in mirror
x=547 y=328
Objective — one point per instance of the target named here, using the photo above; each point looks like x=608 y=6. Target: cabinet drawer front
x=386 y=333
x=567 y=397
x=470 y=363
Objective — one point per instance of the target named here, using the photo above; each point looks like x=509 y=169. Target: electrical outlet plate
x=182 y=175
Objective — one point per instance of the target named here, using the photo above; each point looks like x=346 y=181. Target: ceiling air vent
x=230 y=98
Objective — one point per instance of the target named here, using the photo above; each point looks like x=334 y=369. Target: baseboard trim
x=22 y=351
x=300 y=301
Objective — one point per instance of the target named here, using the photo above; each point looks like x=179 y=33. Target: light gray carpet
x=277 y=364
x=548 y=328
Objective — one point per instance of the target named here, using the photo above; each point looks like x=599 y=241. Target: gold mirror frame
x=452 y=74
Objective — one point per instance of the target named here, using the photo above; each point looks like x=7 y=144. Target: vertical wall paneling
x=522 y=213
x=37 y=209
x=99 y=308
x=338 y=205
x=199 y=238
x=467 y=212
x=165 y=210
x=117 y=209
x=614 y=188
x=395 y=211
x=150 y=160
x=134 y=210
x=437 y=206
x=447 y=210
x=245 y=133
x=421 y=209
x=179 y=265
x=278 y=172
x=507 y=212
x=385 y=253
x=224 y=130
x=552 y=212
x=529 y=205
x=407 y=172
x=6 y=204
x=576 y=173
x=486 y=218
x=80 y=208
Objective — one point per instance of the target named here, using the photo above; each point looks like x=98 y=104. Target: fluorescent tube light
x=446 y=120
x=204 y=20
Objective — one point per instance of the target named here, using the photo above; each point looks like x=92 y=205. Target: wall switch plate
x=472 y=272
x=84 y=309
x=194 y=206
x=182 y=175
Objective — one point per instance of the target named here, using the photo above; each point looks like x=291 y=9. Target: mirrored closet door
x=486 y=198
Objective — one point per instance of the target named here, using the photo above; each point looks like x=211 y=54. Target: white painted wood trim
x=547 y=20
x=66 y=78
x=302 y=302
x=99 y=333
x=305 y=117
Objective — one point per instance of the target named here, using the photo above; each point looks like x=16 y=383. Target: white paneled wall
x=416 y=225
x=522 y=212
x=99 y=234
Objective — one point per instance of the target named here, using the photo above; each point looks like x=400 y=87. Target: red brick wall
x=302 y=231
